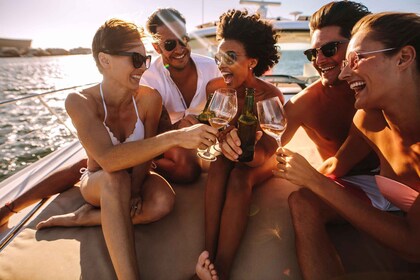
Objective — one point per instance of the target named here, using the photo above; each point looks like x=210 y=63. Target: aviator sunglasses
x=137 y=58
x=228 y=58
x=170 y=45
x=328 y=50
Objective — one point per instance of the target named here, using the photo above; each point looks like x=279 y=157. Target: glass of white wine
x=272 y=117
x=223 y=107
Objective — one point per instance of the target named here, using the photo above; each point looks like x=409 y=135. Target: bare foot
x=205 y=269
x=86 y=215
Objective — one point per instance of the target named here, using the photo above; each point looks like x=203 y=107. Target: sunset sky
x=72 y=23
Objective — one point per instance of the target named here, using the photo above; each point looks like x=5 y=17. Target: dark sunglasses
x=170 y=45
x=328 y=50
x=137 y=58
x=228 y=58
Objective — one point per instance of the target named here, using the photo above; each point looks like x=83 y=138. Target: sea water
x=28 y=129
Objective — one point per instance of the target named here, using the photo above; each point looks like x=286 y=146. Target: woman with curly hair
x=246 y=51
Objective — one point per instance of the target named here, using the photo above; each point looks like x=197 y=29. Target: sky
x=72 y=23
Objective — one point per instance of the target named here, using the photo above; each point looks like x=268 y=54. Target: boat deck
x=168 y=249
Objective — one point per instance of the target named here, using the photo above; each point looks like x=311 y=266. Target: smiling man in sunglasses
x=325 y=109
x=181 y=78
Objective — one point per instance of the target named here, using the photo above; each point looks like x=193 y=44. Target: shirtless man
x=325 y=109
x=181 y=78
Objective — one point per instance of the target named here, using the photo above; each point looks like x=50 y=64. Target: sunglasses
x=355 y=57
x=328 y=50
x=137 y=58
x=228 y=58
x=170 y=45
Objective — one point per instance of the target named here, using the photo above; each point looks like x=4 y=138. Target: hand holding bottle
x=231 y=145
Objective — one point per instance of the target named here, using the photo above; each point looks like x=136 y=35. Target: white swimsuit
x=138 y=132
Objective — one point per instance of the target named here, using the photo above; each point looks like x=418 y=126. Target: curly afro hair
x=257 y=35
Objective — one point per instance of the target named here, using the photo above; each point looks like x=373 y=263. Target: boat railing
x=9 y=235
x=278 y=79
x=22 y=180
x=34 y=95
x=20 y=137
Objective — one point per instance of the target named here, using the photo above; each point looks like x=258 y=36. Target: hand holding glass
x=272 y=117
x=223 y=107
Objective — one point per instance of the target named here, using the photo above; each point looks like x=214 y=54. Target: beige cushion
x=168 y=249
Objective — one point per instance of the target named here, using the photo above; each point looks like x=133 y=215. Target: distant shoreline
x=31 y=52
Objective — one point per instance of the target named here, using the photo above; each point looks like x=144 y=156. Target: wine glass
x=272 y=117
x=223 y=107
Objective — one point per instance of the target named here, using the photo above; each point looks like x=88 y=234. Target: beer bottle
x=247 y=127
x=205 y=116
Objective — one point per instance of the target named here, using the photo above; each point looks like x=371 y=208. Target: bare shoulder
x=214 y=84
x=76 y=97
x=265 y=90
x=149 y=100
x=306 y=98
x=270 y=89
x=148 y=94
x=81 y=101
x=369 y=120
x=309 y=94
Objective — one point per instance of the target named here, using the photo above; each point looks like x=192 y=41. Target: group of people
x=139 y=130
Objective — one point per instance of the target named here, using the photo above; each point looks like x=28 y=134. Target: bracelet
x=9 y=206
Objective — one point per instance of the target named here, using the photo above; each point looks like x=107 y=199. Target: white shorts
x=367 y=183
